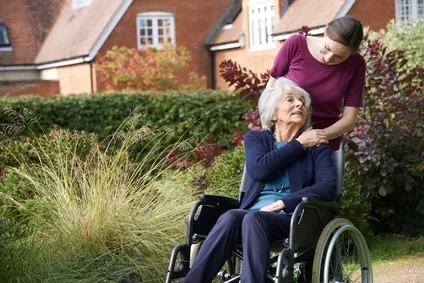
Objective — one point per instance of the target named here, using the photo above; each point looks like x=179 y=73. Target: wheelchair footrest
x=179 y=263
x=285 y=266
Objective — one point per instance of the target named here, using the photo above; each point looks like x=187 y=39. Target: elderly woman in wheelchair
x=285 y=163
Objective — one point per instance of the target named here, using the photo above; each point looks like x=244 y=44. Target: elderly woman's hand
x=310 y=138
x=274 y=207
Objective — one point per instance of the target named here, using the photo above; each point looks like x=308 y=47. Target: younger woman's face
x=332 y=52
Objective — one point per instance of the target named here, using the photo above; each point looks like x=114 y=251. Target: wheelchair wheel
x=341 y=255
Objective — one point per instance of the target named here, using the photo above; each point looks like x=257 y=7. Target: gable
x=79 y=33
x=311 y=13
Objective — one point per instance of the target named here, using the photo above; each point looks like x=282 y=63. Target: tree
x=123 y=68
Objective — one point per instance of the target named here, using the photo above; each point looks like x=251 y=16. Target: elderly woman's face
x=290 y=109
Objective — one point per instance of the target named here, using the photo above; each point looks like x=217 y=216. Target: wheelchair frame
x=318 y=236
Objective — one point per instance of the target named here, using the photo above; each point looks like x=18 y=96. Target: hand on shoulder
x=311 y=137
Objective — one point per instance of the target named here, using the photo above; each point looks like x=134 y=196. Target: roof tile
x=229 y=35
x=76 y=31
x=312 y=13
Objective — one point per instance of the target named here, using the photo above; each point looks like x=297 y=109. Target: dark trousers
x=254 y=230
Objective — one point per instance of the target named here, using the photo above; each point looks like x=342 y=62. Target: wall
x=375 y=14
x=43 y=88
x=194 y=20
x=75 y=79
x=258 y=61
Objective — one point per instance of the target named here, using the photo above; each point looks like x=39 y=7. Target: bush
x=354 y=204
x=407 y=38
x=13 y=124
x=45 y=149
x=390 y=136
x=250 y=86
x=147 y=69
x=106 y=218
x=224 y=176
x=196 y=114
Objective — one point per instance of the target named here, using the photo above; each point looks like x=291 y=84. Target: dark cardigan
x=311 y=171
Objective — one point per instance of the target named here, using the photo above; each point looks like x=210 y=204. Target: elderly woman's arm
x=262 y=163
x=324 y=187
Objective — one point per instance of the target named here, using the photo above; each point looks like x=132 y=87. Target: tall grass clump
x=95 y=216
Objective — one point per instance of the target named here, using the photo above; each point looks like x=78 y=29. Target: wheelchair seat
x=317 y=241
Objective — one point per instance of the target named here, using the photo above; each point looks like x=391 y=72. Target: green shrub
x=409 y=39
x=224 y=176
x=354 y=204
x=13 y=124
x=21 y=201
x=216 y=114
x=106 y=218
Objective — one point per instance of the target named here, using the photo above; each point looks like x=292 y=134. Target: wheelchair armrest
x=310 y=217
x=320 y=203
x=205 y=213
x=223 y=200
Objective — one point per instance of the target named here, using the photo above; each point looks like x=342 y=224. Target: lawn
x=393 y=247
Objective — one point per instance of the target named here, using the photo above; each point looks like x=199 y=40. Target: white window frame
x=409 y=9
x=155 y=18
x=261 y=23
x=4 y=34
x=76 y=4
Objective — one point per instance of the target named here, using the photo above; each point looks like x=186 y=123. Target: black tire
x=341 y=255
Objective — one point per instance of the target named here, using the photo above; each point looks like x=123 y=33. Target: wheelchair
x=322 y=246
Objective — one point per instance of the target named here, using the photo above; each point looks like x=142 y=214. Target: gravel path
x=405 y=270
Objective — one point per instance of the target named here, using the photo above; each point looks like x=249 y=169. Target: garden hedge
x=212 y=114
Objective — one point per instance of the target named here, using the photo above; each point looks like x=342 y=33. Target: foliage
x=407 y=38
x=249 y=83
x=354 y=204
x=205 y=152
x=13 y=124
x=390 y=137
x=224 y=176
x=147 y=69
x=198 y=114
x=250 y=87
x=19 y=203
x=387 y=248
x=216 y=115
x=106 y=218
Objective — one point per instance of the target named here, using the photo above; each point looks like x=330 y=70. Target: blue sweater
x=311 y=171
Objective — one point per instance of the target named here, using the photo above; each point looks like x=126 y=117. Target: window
x=409 y=9
x=155 y=28
x=76 y=4
x=261 y=20
x=4 y=37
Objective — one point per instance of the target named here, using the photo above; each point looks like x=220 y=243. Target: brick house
x=254 y=37
x=50 y=46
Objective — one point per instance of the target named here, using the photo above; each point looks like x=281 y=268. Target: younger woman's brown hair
x=346 y=30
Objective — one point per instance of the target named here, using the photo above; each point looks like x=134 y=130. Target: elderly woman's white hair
x=270 y=97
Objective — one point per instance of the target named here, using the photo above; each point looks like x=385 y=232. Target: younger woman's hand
x=310 y=138
x=274 y=207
